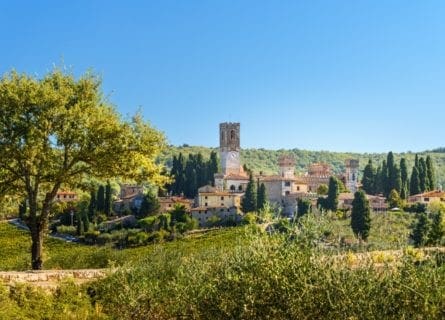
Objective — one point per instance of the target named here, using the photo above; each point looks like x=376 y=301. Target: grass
x=15 y=247
x=237 y=273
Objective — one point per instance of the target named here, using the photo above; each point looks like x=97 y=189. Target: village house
x=428 y=197
x=168 y=203
x=66 y=196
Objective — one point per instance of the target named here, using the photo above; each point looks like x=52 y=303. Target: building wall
x=203 y=216
x=219 y=199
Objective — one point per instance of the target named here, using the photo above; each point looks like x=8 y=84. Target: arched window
x=240 y=188
x=232 y=188
x=232 y=135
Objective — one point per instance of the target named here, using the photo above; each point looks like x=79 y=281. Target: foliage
x=394 y=200
x=261 y=196
x=304 y=207
x=322 y=190
x=360 y=216
x=249 y=201
x=420 y=230
x=56 y=130
x=150 y=205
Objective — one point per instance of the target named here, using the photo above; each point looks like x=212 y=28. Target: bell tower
x=229 y=147
x=351 y=174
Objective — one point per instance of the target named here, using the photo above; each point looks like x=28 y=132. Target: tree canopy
x=57 y=130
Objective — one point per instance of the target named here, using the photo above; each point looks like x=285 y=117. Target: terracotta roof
x=232 y=176
x=209 y=208
x=432 y=194
x=219 y=193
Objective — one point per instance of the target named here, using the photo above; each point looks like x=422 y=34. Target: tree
x=55 y=131
x=430 y=172
x=261 y=197
x=437 y=230
x=414 y=182
x=420 y=230
x=150 y=205
x=404 y=179
x=108 y=199
x=369 y=179
x=333 y=191
x=212 y=167
x=394 y=199
x=423 y=178
x=92 y=206
x=304 y=206
x=384 y=181
x=100 y=203
x=322 y=190
x=249 y=201
x=360 y=216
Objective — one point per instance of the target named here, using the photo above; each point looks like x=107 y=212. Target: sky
x=349 y=76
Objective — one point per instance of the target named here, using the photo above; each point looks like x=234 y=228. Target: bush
x=137 y=239
x=104 y=238
x=249 y=218
x=71 y=230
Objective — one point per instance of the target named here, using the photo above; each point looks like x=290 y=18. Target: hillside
x=266 y=160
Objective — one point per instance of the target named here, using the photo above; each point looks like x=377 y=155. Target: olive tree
x=57 y=130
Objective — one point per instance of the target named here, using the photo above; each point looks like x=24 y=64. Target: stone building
x=351 y=175
x=213 y=203
x=318 y=174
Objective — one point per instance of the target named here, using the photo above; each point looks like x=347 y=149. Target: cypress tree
x=437 y=231
x=369 y=179
x=378 y=181
x=384 y=179
x=191 y=183
x=421 y=229
x=360 y=216
x=249 y=201
x=201 y=170
x=304 y=206
x=150 y=205
x=424 y=184
x=414 y=182
x=261 y=196
x=416 y=162
x=108 y=199
x=333 y=191
x=430 y=173
x=85 y=222
x=212 y=167
x=101 y=199
x=404 y=179
x=92 y=206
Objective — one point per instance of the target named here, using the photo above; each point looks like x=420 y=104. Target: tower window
x=240 y=188
x=232 y=188
x=232 y=135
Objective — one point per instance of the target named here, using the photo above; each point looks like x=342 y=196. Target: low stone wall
x=51 y=278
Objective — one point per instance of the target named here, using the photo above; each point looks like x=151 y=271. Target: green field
x=238 y=273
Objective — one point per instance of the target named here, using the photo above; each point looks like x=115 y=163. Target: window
x=298 y=188
x=205 y=197
x=232 y=188
x=232 y=135
x=206 y=204
x=222 y=198
x=427 y=199
x=222 y=204
x=170 y=205
x=287 y=193
x=287 y=184
x=240 y=188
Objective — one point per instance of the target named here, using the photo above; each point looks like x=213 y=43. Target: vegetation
x=267 y=160
x=192 y=174
x=249 y=201
x=56 y=130
x=361 y=216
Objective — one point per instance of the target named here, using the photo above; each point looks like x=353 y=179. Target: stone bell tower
x=229 y=148
x=351 y=174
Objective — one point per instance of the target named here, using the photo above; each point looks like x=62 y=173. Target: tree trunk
x=36 y=247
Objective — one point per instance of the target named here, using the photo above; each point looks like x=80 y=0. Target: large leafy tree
x=360 y=216
x=57 y=130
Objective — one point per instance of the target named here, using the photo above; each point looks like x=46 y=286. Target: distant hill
x=266 y=160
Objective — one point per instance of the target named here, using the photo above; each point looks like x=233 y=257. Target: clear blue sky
x=334 y=75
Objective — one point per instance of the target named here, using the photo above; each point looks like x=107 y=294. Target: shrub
x=104 y=238
x=71 y=230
